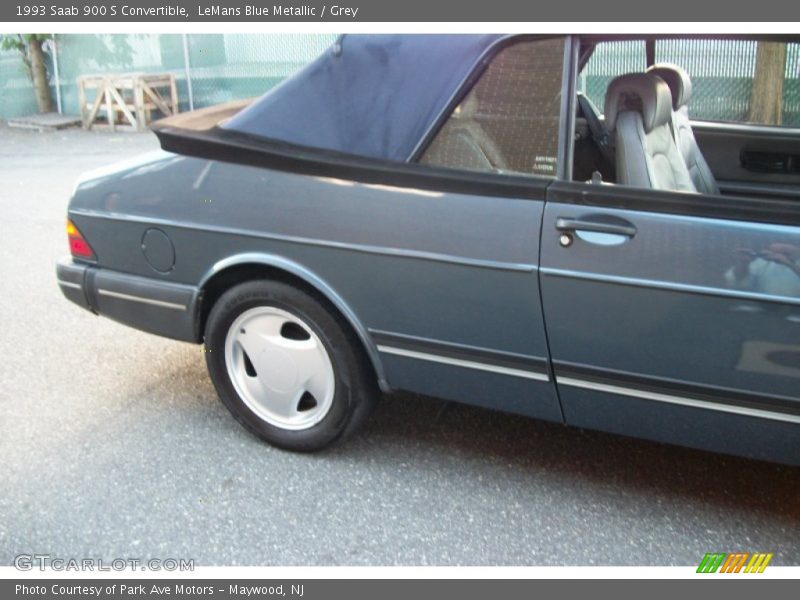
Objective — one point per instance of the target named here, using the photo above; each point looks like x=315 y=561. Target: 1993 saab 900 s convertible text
x=452 y=215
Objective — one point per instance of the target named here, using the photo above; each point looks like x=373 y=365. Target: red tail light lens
x=78 y=245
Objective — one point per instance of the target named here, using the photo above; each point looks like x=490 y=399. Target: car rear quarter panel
x=447 y=267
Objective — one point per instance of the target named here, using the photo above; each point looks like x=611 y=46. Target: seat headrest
x=641 y=92
x=678 y=81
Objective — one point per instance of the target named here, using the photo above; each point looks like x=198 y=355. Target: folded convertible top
x=200 y=134
x=373 y=96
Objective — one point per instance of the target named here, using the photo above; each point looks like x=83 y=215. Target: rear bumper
x=162 y=308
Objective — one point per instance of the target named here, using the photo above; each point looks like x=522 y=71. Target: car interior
x=643 y=136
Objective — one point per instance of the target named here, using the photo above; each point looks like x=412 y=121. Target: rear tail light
x=78 y=245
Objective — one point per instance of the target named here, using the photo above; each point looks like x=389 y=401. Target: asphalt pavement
x=114 y=444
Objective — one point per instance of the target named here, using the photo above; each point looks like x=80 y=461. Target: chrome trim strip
x=141 y=299
x=364 y=248
x=69 y=284
x=405 y=341
x=669 y=399
x=469 y=364
x=670 y=286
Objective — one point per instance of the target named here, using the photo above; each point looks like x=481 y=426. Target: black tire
x=356 y=389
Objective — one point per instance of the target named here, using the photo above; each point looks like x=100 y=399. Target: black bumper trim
x=159 y=307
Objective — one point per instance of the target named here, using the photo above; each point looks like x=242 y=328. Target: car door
x=465 y=323
x=675 y=316
x=752 y=160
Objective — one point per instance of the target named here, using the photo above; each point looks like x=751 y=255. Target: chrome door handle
x=565 y=224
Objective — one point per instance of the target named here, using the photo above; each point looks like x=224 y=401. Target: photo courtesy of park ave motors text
x=416 y=299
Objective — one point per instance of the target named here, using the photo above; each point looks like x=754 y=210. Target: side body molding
x=301 y=272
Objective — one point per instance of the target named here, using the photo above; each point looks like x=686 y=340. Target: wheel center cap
x=277 y=370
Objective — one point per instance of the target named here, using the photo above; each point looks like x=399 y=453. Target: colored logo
x=736 y=562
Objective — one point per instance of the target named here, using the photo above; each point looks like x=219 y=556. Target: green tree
x=31 y=48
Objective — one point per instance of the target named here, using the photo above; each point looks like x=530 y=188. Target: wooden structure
x=128 y=99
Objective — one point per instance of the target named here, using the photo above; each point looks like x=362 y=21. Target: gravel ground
x=115 y=445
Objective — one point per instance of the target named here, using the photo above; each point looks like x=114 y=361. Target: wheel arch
x=241 y=267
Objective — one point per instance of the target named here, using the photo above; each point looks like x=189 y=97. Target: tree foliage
x=30 y=46
x=20 y=43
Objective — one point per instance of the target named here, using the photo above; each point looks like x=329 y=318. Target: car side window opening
x=509 y=121
x=744 y=82
x=593 y=149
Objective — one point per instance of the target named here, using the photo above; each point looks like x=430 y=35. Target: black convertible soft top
x=369 y=95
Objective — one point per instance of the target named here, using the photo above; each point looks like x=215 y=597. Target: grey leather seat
x=681 y=87
x=638 y=110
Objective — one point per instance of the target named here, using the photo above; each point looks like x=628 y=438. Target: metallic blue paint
x=696 y=309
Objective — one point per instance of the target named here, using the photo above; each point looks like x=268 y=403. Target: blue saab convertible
x=463 y=216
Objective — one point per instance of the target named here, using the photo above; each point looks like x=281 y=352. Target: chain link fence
x=722 y=74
